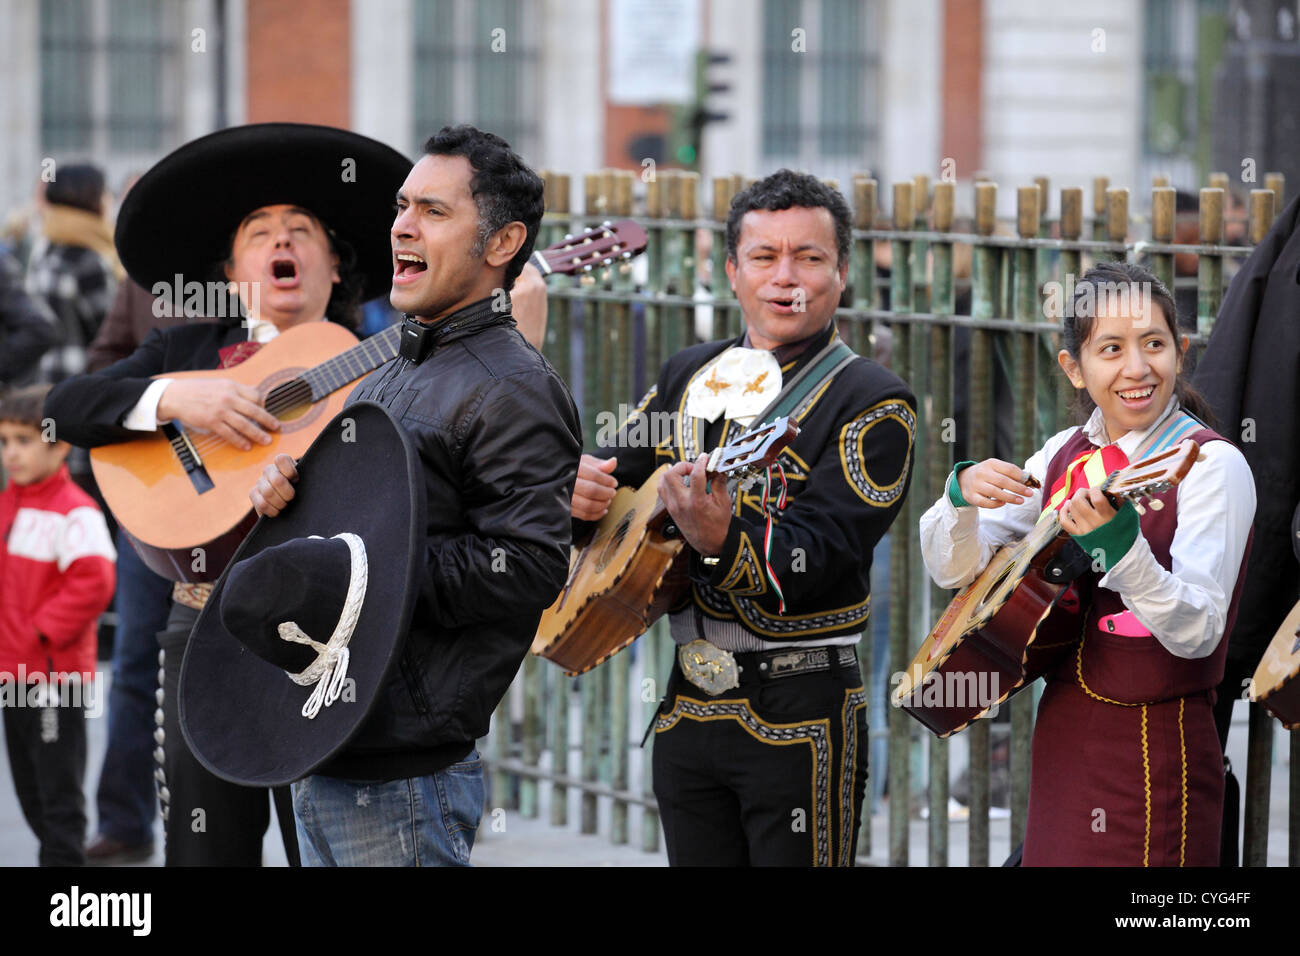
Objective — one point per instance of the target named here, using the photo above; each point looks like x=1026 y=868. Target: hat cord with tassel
x=330 y=669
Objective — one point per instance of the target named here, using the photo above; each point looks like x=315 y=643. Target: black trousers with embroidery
x=208 y=821
x=771 y=773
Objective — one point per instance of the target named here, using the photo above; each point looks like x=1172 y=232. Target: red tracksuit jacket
x=56 y=577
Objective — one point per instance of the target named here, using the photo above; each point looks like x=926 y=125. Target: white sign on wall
x=652 y=46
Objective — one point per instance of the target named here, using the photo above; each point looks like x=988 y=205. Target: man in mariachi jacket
x=761 y=740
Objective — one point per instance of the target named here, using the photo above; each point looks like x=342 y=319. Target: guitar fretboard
x=364 y=357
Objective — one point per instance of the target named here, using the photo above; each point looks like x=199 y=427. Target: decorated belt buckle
x=708 y=667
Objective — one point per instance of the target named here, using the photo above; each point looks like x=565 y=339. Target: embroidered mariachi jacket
x=847 y=474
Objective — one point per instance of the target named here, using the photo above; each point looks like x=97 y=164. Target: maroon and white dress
x=1126 y=766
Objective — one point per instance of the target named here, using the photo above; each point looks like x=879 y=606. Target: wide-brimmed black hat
x=299 y=633
x=180 y=215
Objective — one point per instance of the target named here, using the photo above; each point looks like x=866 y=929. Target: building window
x=479 y=63
x=66 y=56
x=109 y=77
x=819 y=103
x=1182 y=47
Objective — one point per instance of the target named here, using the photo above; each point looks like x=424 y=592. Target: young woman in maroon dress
x=1126 y=768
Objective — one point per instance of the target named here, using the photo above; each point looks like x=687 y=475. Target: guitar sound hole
x=615 y=542
x=996 y=586
x=289 y=400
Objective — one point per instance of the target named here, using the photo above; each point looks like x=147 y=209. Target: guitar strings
x=291 y=397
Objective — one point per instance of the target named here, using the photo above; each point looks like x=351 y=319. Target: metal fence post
x=940 y=464
x=984 y=296
x=1209 y=267
x=1026 y=307
x=900 y=615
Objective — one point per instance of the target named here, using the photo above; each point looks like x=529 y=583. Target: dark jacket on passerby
x=75 y=273
x=26 y=329
x=130 y=319
x=498 y=436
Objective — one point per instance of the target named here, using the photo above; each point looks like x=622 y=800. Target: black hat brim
x=242 y=716
x=179 y=217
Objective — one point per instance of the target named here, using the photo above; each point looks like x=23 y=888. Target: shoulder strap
x=1169 y=432
x=824 y=365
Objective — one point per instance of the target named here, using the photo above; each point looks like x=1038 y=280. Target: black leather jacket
x=499 y=439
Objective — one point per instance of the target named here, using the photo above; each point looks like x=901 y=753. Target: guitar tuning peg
x=1156 y=504
x=586 y=280
x=1137 y=505
x=568 y=237
x=624 y=269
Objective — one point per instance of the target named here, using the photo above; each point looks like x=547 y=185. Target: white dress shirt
x=1185 y=608
x=143 y=416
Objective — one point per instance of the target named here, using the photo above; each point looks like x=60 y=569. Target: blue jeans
x=421 y=821
x=126 y=798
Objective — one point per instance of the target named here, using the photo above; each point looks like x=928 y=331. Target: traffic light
x=689 y=121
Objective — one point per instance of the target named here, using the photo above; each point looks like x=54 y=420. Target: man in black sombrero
x=294 y=216
x=499 y=442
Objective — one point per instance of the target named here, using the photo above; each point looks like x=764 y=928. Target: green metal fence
x=608 y=334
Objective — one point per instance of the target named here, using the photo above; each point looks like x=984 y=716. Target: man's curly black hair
x=785 y=189
x=504 y=188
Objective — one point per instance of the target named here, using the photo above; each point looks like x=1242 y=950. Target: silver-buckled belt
x=804 y=660
x=713 y=670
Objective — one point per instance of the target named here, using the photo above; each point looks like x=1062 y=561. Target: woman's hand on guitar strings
x=274 y=490
x=594 y=489
x=1087 y=510
x=222 y=406
x=993 y=483
x=701 y=508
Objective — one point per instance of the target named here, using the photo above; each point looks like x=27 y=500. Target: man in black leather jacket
x=499 y=439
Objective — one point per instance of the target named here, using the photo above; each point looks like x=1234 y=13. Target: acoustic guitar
x=633 y=568
x=182 y=495
x=1008 y=627
x=1277 y=679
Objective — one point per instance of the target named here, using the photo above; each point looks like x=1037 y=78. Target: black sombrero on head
x=299 y=633
x=346 y=180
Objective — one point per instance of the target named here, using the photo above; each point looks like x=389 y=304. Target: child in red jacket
x=56 y=578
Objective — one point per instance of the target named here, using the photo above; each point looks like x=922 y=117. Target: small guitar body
x=1002 y=632
x=170 y=504
x=1010 y=625
x=633 y=569
x=1277 y=679
x=622 y=581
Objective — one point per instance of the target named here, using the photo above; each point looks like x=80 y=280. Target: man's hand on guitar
x=594 y=489
x=993 y=483
x=703 y=516
x=274 y=490
x=221 y=406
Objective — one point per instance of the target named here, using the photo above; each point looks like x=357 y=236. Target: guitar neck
x=356 y=362
x=369 y=354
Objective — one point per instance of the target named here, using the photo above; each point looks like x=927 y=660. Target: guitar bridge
x=189 y=457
